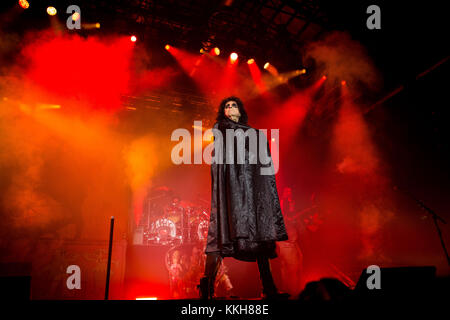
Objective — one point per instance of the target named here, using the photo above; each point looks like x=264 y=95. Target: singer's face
x=232 y=109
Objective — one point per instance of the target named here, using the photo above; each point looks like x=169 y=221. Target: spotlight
x=24 y=4
x=273 y=71
x=133 y=38
x=216 y=51
x=233 y=57
x=201 y=50
x=324 y=77
x=167 y=47
x=97 y=25
x=51 y=11
x=75 y=16
x=343 y=82
x=251 y=61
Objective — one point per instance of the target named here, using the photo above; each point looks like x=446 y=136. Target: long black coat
x=246 y=218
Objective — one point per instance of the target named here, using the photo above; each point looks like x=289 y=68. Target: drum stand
x=186 y=229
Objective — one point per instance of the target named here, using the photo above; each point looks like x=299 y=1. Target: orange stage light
x=216 y=51
x=167 y=47
x=24 y=4
x=250 y=61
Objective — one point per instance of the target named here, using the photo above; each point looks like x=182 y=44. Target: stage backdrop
x=49 y=271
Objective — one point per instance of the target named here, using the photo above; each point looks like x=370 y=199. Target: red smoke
x=71 y=67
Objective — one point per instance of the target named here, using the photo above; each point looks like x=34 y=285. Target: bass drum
x=164 y=231
x=199 y=229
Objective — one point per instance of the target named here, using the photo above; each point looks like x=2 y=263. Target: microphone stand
x=108 y=266
x=434 y=216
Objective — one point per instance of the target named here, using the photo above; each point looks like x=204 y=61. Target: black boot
x=269 y=288
x=206 y=286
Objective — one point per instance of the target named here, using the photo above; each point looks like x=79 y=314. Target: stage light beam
x=269 y=67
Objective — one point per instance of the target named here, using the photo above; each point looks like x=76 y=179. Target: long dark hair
x=221 y=112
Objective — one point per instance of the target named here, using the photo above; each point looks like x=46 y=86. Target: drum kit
x=175 y=223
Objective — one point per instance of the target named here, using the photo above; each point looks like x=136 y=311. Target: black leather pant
x=212 y=265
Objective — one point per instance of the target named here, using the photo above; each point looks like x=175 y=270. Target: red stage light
x=324 y=77
x=216 y=51
x=133 y=38
x=24 y=4
x=266 y=65
x=343 y=82
x=233 y=56
x=167 y=47
x=250 y=61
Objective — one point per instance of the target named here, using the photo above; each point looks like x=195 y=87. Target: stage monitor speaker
x=15 y=281
x=400 y=282
x=326 y=289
